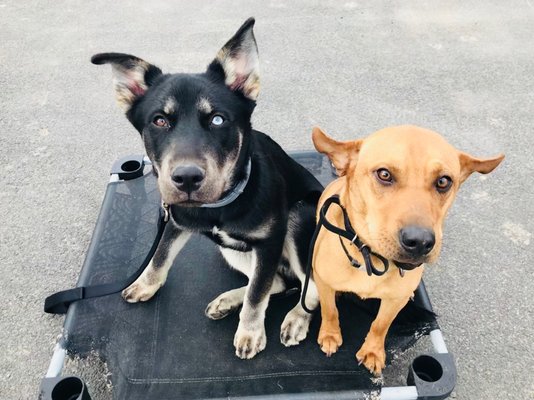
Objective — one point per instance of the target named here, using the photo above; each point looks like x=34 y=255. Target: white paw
x=139 y=291
x=248 y=342
x=223 y=305
x=295 y=327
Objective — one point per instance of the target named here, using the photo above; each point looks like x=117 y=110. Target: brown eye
x=443 y=184
x=160 y=121
x=384 y=176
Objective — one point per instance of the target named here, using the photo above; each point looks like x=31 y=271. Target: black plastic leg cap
x=63 y=388
x=434 y=376
x=129 y=167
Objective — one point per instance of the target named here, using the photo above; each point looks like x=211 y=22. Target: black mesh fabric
x=167 y=349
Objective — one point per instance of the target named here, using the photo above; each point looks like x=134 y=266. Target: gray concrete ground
x=463 y=68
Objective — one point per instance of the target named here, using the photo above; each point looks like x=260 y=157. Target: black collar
x=234 y=192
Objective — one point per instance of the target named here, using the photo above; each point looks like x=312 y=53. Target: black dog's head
x=195 y=127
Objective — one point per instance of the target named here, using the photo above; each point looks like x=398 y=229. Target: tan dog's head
x=400 y=183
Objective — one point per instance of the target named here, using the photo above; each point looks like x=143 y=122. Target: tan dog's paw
x=223 y=305
x=294 y=328
x=139 y=291
x=329 y=341
x=249 y=342
x=372 y=357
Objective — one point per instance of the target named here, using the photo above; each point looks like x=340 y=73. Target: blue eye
x=217 y=120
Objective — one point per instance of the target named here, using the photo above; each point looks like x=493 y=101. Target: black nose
x=187 y=178
x=416 y=240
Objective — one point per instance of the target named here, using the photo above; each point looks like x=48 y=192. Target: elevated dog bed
x=167 y=348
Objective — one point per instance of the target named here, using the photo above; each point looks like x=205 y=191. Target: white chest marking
x=225 y=238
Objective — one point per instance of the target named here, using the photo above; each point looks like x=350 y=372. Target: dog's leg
x=372 y=353
x=330 y=333
x=295 y=327
x=155 y=274
x=250 y=336
x=228 y=302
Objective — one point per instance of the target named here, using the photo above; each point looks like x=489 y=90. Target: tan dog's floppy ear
x=131 y=76
x=339 y=153
x=239 y=62
x=470 y=164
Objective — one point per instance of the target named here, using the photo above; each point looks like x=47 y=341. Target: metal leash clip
x=166 y=212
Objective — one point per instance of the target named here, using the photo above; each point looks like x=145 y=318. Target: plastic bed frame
x=188 y=356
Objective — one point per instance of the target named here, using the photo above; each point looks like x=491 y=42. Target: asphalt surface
x=462 y=68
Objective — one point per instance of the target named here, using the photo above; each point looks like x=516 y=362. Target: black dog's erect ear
x=239 y=62
x=131 y=76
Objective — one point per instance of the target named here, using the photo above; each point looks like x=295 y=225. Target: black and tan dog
x=224 y=180
x=396 y=186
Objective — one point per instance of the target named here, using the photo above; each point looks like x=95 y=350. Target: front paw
x=249 y=342
x=329 y=340
x=372 y=356
x=294 y=328
x=223 y=305
x=139 y=291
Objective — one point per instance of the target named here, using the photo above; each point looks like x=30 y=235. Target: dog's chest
x=224 y=239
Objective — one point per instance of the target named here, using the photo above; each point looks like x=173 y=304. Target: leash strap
x=59 y=302
x=348 y=233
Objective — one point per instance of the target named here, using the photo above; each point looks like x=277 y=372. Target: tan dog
x=397 y=186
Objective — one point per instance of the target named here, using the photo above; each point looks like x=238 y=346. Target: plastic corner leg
x=129 y=167
x=63 y=388
x=434 y=376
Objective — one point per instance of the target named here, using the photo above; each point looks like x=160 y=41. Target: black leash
x=348 y=233
x=59 y=302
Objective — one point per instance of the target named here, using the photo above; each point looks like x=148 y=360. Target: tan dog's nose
x=417 y=241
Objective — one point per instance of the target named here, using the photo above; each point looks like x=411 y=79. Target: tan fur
x=170 y=106
x=204 y=105
x=416 y=157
